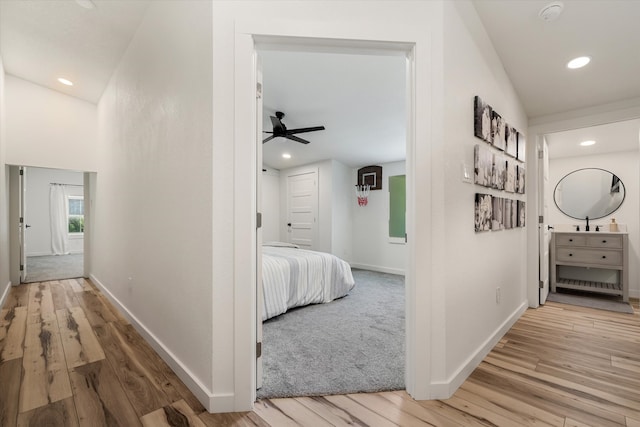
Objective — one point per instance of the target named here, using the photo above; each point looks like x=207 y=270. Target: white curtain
x=59 y=227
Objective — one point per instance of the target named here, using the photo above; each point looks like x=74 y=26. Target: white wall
x=152 y=228
x=475 y=264
x=46 y=128
x=37 y=212
x=372 y=248
x=343 y=196
x=4 y=196
x=626 y=166
x=271 y=205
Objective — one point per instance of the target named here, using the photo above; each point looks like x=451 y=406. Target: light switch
x=467 y=173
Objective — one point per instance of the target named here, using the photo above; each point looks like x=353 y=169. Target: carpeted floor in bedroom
x=354 y=344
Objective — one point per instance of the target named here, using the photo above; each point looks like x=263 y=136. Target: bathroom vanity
x=591 y=250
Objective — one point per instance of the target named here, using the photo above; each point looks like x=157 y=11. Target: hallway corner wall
x=4 y=196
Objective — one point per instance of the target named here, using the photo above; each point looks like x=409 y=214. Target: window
x=397 y=206
x=76 y=214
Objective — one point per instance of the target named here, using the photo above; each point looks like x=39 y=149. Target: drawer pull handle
x=571 y=240
x=570 y=254
x=604 y=256
x=604 y=241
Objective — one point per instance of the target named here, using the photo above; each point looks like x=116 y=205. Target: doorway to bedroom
x=354 y=343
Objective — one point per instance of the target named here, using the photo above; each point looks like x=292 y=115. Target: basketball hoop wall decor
x=369 y=178
x=362 y=193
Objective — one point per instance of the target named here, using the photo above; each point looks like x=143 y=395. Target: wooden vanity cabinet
x=591 y=250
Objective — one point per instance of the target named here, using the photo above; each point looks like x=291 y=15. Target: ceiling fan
x=279 y=129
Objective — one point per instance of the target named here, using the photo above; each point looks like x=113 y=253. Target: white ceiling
x=535 y=53
x=359 y=99
x=613 y=137
x=354 y=96
x=46 y=39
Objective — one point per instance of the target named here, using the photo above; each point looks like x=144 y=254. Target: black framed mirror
x=589 y=192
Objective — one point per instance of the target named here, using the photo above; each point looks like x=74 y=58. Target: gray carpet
x=586 y=299
x=354 y=344
x=54 y=267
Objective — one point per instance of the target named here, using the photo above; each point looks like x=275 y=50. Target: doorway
x=52 y=224
x=616 y=149
x=340 y=157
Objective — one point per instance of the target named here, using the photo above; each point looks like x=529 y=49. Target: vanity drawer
x=614 y=242
x=571 y=240
x=590 y=256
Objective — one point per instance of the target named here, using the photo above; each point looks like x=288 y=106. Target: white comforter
x=294 y=277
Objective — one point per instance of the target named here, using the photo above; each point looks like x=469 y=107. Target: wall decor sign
x=512 y=141
x=499 y=171
x=510 y=177
x=522 y=147
x=499 y=130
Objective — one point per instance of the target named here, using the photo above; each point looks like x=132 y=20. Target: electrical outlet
x=498 y=295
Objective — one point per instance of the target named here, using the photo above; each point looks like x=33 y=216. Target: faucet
x=587 y=227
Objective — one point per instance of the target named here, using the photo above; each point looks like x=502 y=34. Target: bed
x=293 y=277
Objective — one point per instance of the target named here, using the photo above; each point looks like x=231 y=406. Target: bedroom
x=364 y=119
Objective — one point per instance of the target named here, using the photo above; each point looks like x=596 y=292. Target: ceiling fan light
x=65 y=81
x=587 y=143
x=286 y=155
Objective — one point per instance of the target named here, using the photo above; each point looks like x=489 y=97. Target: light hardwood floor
x=67 y=358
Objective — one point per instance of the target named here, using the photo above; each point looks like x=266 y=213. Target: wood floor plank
x=58 y=414
x=272 y=415
x=96 y=311
x=328 y=411
x=10 y=375
x=73 y=285
x=40 y=308
x=99 y=397
x=18 y=297
x=233 y=419
x=178 y=414
x=13 y=325
x=626 y=363
x=157 y=369
x=512 y=404
x=632 y=423
x=63 y=297
x=80 y=343
x=407 y=404
x=388 y=410
x=46 y=379
x=356 y=410
x=299 y=413
x=143 y=392
x=454 y=414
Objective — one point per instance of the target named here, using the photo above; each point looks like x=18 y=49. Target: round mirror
x=593 y=193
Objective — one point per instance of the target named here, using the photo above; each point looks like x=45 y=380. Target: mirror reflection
x=593 y=193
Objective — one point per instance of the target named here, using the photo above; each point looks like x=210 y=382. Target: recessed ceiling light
x=286 y=156
x=578 y=62
x=587 y=143
x=551 y=11
x=65 y=81
x=87 y=4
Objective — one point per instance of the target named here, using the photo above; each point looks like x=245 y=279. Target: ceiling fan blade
x=278 y=127
x=267 y=139
x=303 y=130
x=296 y=139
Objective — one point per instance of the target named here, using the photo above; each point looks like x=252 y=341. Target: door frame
x=609 y=113
x=392 y=40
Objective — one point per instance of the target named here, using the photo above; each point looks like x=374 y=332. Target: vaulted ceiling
x=354 y=97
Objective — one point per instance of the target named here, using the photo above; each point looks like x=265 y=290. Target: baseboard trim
x=390 y=270
x=5 y=294
x=212 y=402
x=446 y=389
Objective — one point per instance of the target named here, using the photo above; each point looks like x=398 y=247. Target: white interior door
x=544 y=234
x=22 y=188
x=260 y=294
x=302 y=209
